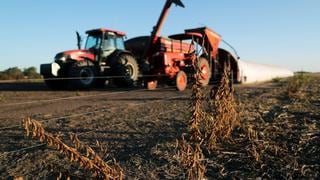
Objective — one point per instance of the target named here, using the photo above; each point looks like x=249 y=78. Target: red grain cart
x=171 y=59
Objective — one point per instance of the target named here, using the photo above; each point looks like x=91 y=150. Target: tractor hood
x=76 y=55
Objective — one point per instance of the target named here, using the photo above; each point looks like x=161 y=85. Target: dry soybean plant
x=253 y=147
x=192 y=159
x=91 y=162
x=2 y=98
x=208 y=127
x=190 y=152
x=222 y=117
x=297 y=85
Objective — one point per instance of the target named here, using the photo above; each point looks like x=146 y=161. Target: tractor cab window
x=120 y=43
x=109 y=42
x=93 y=42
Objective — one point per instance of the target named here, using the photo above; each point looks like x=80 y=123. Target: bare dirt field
x=140 y=129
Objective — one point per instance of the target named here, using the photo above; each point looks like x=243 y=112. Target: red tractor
x=103 y=56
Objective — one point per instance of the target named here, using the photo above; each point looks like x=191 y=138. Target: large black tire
x=126 y=70
x=82 y=75
x=205 y=70
x=54 y=83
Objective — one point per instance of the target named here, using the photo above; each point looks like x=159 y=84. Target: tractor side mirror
x=79 y=40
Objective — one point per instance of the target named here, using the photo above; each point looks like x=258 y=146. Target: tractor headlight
x=60 y=58
x=63 y=58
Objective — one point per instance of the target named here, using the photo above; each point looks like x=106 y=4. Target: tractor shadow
x=17 y=86
x=39 y=86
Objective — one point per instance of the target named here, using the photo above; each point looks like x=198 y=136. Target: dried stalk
x=223 y=117
x=91 y=162
x=192 y=159
x=190 y=153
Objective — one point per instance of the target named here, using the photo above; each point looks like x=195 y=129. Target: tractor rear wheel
x=127 y=71
x=82 y=75
x=181 y=80
x=205 y=71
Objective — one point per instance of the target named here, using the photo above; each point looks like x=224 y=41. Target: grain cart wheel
x=127 y=69
x=205 y=74
x=181 y=81
x=152 y=85
x=82 y=75
x=54 y=83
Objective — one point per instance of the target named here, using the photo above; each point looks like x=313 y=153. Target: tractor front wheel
x=181 y=80
x=82 y=75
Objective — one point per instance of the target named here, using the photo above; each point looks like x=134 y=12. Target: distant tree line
x=16 y=73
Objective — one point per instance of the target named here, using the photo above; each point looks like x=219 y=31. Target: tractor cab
x=103 y=42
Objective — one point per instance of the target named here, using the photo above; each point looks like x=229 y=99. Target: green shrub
x=11 y=73
x=31 y=73
x=16 y=73
x=297 y=84
x=277 y=80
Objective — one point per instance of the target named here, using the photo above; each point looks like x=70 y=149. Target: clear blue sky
x=279 y=32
